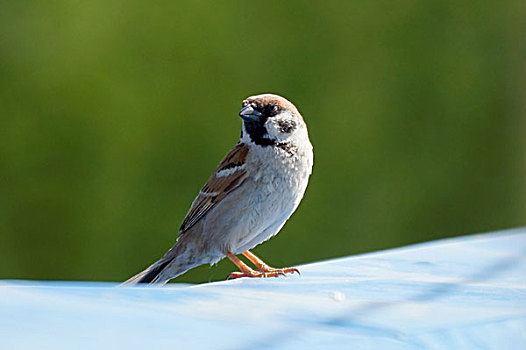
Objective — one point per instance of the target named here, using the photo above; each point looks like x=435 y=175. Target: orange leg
x=269 y=271
x=263 y=269
x=245 y=270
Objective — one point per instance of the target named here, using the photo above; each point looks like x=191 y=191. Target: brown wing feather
x=217 y=188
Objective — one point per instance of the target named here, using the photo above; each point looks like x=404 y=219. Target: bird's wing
x=228 y=176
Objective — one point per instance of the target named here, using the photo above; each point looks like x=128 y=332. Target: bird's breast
x=258 y=209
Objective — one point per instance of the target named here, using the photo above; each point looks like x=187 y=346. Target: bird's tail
x=175 y=262
x=151 y=274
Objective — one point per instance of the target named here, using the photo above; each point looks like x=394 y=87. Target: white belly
x=258 y=209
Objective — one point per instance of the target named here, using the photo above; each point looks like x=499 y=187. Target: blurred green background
x=114 y=114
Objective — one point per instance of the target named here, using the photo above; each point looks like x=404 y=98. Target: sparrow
x=249 y=197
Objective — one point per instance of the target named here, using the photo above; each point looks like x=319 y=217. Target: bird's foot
x=251 y=273
x=264 y=268
x=264 y=272
x=273 y=272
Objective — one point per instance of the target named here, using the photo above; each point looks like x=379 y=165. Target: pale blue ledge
x=461 y=293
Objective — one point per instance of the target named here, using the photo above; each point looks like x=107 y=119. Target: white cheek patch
x=281 y=126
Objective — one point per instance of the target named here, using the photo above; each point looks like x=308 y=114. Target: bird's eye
x=275 y=109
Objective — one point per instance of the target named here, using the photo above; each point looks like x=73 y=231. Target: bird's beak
x=248 y=113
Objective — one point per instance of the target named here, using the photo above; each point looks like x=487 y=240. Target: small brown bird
x=250 y=196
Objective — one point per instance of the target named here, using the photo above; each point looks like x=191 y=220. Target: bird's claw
x=264 y=273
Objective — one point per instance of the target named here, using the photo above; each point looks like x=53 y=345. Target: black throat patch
x=258 y=133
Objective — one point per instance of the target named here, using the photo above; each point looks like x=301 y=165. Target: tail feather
x=150 y=274
x=181 y=258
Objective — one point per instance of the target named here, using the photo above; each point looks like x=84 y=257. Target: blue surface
x=467 y=292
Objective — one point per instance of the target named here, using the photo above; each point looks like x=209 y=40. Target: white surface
x=467 y=292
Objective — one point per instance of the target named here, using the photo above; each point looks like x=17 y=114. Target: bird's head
x=271 y=119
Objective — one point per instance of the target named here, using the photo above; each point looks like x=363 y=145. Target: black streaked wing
x=232 y=175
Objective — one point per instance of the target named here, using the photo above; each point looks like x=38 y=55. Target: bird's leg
x=266 y=270
x=245 y=270
x=263 y=269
